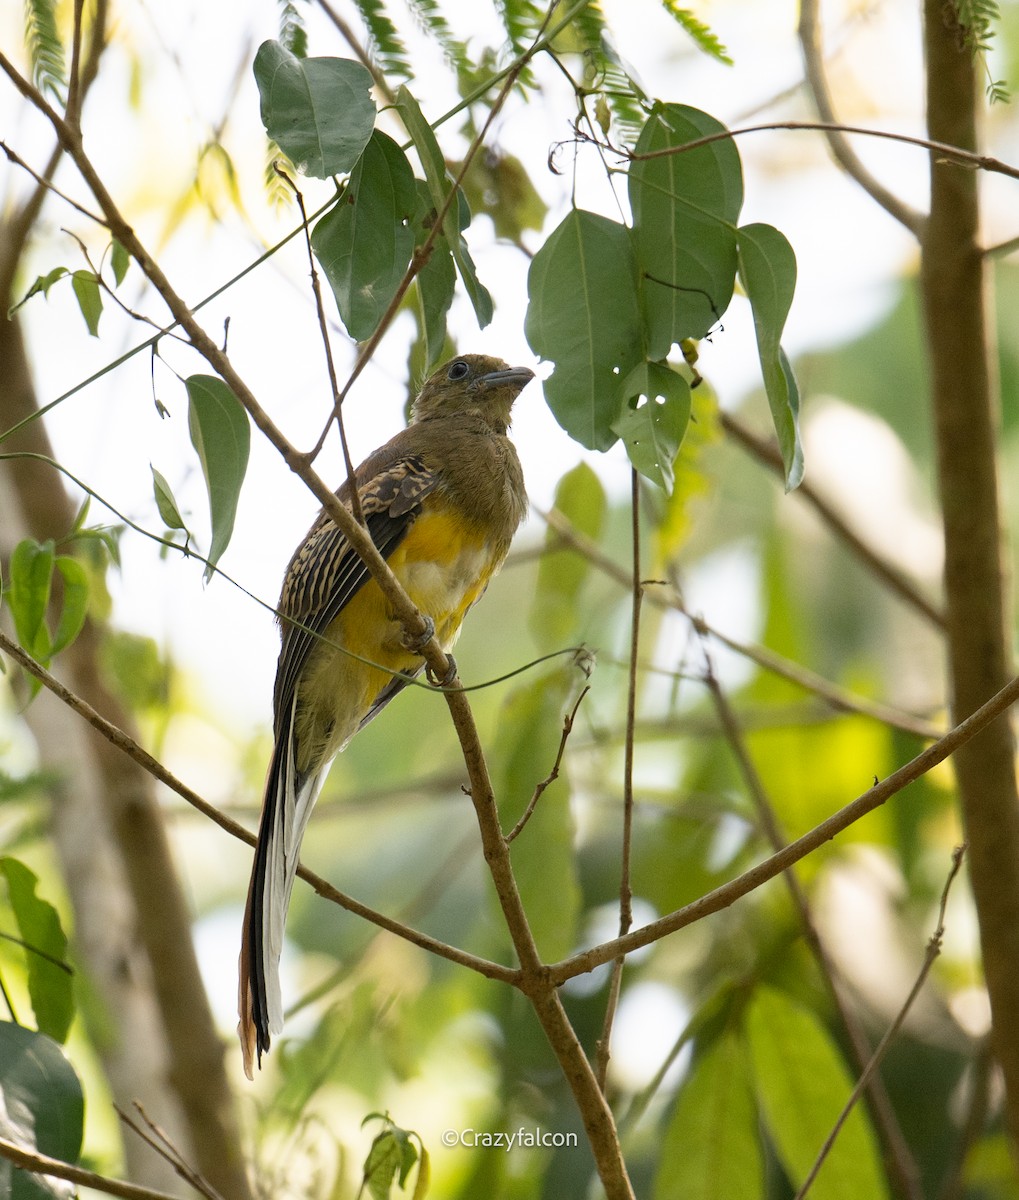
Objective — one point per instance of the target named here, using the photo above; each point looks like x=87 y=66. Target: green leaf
x=584 y=315
x=439 y=185
x=74 y=602
x=319 y=111
x=556 y=610
x=41 y=1108
x=711 y=1149
x=802 y=1084
x=653 y=430
x=90 y=300
x=222 y=436
x=42 y=284
x=45 y=49
x=702 y=35
x=49 y=979
x=31 y=578
x=436 y=280
x=166 y=503
x=685 y=207
x=530 y=730
x=365 y=242
x=767 y=267
x=120 y=260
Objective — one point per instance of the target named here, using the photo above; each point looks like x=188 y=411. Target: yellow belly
x=444 y=568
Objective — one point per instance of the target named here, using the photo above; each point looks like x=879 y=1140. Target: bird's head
x=472 y=383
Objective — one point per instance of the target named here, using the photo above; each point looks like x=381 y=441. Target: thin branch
x=768 y=453
x=123 y=742
x=722 y=897
x=933 y=950
x=604 y=1045
x=898 y=1154
x=553 y=775
x=155 y=1137
x=42 y=1164
x=666 y=596
x=813 y=60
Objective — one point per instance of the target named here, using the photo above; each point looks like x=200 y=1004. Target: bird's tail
x=289 y=798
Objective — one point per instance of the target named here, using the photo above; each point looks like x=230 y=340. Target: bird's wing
x=323 y=577
x=327 y=572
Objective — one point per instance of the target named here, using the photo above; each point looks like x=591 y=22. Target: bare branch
x=42 y=1164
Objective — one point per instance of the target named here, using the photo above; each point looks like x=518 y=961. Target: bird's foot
x=446 y=679
x=416 y=644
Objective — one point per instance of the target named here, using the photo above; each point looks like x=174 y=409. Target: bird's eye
x=458 y=370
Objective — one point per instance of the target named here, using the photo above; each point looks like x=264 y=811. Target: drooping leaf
x=318 y=110
x=28 y=596
x=364 y=243
x=221 y=435
x=166 y=503
x=802 y=1084
x=74 y=602
x=655 y=419
x=90 y=300
x=120 y=260
x=767 y=267
x=439 y=185
x=685 y=206
x=711 y=1149
x=49 y=979
x=42 y=284
x=555 y=610
x=41 y=1108
x=584 y=315
x=436 y=280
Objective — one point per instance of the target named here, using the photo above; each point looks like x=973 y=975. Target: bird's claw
x=416 y=644
x=446 y=679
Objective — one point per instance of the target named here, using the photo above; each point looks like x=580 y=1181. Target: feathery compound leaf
x=383 y=40
x=45 y=50
x=521 y=20
x=436 y=25
x=293 y=34
x=700 y=33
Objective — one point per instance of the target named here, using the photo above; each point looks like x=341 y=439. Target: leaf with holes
x=655 y=419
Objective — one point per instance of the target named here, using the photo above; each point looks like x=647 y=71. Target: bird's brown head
x=472 y=383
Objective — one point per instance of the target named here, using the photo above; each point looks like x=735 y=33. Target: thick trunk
x=966 y=419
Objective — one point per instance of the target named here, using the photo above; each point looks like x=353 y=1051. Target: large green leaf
x=41 y=1108
x=436 y=279
x=802 y=1084
x=685 y=206
x=28 y=596
x=222 y=436
x=364 y=243
x=439 y=184
x=49 y=980
x=655 y=419
x=319 y=111
x=584 y=315
x=712 y=1149
x=556 y=611
x=767 y=267
x=544 y=863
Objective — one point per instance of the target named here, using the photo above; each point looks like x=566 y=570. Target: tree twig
x=42 y=1164
x=933 y=950
x=155 y=1137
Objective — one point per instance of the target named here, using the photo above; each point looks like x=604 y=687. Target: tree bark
x=966 y=421
x=132 y=923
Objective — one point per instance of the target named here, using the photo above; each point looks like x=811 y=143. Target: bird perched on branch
x=441 y=501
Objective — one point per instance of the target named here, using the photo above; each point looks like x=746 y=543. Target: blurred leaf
x=42 y=284
x=41 y=1108
x=653 y=430
x=45 y=49
x=555 y=611
x=675 y=519
x=28 y=595
x=166 y=502
x=49 y=980
x=801 y=1083
x=711 y=1149
x=318 y=110
x=364 y=242
x=767 y=267
x=120 y=260
x=584 y=315
x=439 y=185
x=390 y=1160
x=90 y=300
x=530 y=730
x=685 y=207
x=74 y=602
x=499 y=186
x=136 y=668
x=222 y=437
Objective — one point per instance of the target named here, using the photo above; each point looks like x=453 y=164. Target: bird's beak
x=515 y=377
